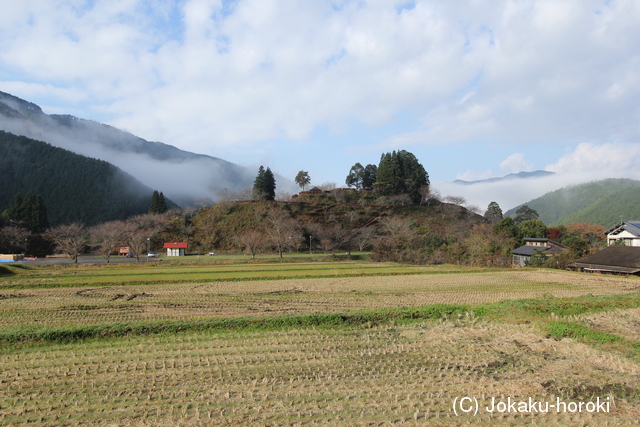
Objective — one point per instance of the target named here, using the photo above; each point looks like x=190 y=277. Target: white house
x=627 y=231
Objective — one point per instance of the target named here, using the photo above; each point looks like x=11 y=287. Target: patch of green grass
x=561 y=329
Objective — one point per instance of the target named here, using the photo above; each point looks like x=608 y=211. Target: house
x=623 y=260
x=626 y=232
x=176 y=248
x=533 y=245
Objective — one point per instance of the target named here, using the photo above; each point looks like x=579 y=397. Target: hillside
x=601 y=202
x=182 y=176
x=74 y=187
x=216 y=226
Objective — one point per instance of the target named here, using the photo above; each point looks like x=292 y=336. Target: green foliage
x=493 y=213
x=600 y=202
x=506 y=226
x=30 y=211
x=303 y=179
x=537 y=259
x=74 y=188
x=354 y=179
x=399 y=172
x=158 y=203
x=533 y=228
x=525 y=213
x=264 y=186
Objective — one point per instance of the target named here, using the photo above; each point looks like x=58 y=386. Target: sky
x=474 y=88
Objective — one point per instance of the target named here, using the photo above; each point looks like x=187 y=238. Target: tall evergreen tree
x=154 y=206
x=30 y=212
x=264 y=186
x=162 y=203
x=493 y=213
x=400 y=172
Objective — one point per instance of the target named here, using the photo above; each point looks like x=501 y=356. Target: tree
x=303 y=179
x=158 y=203
x=506 y=226
x=400 y=172
x=13 y=239
x=369 y=176
x=69 y=239
x=282 y=230
x=493 y=213
x=264 y=186
x=138 y=231
x=251 y=241
x=107 y=236
x=533 y=228
x=30 y=212
x=525 y=213
x=355 y=177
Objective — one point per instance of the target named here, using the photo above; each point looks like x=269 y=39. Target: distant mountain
x=601 y=202
x=511 y=176
x=182 y=176
x=73 y=187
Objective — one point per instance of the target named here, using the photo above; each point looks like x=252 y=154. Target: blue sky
x=474 y=88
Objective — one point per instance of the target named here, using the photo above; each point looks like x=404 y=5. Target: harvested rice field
x=475 y=347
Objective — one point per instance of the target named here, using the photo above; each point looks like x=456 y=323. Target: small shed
x=176 y=248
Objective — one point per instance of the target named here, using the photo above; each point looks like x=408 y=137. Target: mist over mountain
x=511 y=176
x=603 y=202
x=182 y=176
x=74 y=188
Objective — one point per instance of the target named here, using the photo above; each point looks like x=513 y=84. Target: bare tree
x=283 y=231
x=107 y=236
x=251 y=241
x=333 y=237
x=456 y=200
x=397 y=227
x=69 y=239
x=364 y=236
x=13 y=238
x=139 y=230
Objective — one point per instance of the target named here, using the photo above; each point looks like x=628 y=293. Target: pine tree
x=493 y=213
x=264 y=186
x=158 y=203
x=401 y=173
x=162 y=203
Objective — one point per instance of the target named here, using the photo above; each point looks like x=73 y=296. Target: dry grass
x=402 y=375
x=131 y=303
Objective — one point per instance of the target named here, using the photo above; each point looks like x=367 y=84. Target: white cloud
x=609 y=159
x=209 y=74
x=515 y=163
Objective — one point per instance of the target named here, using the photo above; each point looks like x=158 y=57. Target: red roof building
x=176 y=248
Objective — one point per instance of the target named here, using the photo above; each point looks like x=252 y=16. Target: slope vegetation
x=74 y=187
x=601 y=202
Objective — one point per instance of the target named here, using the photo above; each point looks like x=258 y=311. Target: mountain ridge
x=508 y=177
x=183 y=176
x=601 y=202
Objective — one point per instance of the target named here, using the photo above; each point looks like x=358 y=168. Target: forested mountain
x=182 y=176
x=73 y=187
x=601 y=202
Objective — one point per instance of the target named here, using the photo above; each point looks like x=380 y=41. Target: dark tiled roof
x=624 y=259
x=528 y=250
